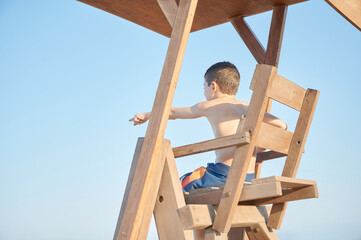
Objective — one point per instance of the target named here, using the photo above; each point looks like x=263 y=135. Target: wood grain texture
x=276 y=35
x=274 y=138
x=199 y=216
x=238 y=139
x=287 y=92
x=169 y=8
x=237 y=174
x=249 y=38
x=249 y=193
x=145 y=172
x=295 y=151
x=349 y=9
x=209 y=12
x=169 y=200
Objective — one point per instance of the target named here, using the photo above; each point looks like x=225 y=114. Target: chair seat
x=261 y=191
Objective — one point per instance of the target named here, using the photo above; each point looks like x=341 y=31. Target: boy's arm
x=195 y=111
x=269 y=118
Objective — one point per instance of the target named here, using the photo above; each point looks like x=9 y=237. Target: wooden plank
x=129 y=184
x=249 y=38
x=261 y=231
x=238 y=139
x=275 y=35
x=274 y=138
x=130 y=223
x=199 y=216
x=269 y=155
x=243 y=155
x=209 y=13
x=296 y=150
x=349 y=9
x=288 y=195
x=287 y=92
x=249 y=192
x=286 y=182
x=169 y=8
x=169 y=200
x=153 y=193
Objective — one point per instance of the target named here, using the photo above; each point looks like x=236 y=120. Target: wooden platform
x=148 y=14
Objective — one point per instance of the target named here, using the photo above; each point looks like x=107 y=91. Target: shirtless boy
x=223 y=112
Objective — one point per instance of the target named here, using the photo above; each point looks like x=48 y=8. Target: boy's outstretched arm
x=269 y=118
x=195 y=111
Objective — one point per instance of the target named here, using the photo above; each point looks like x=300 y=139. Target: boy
x=223 y=112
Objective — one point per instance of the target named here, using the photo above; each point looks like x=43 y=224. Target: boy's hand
x=139 y=118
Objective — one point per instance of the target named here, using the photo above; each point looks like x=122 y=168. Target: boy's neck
x=220 y=95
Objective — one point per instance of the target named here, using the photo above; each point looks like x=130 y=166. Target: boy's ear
x=214 y=86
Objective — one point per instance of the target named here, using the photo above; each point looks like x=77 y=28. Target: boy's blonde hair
x=226 y=75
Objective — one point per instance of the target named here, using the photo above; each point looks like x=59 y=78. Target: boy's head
x=226 y=75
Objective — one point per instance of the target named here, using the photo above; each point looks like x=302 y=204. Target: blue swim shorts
x=211 y=176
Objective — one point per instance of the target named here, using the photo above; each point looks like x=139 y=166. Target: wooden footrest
x=201 y=216
x=262 y=191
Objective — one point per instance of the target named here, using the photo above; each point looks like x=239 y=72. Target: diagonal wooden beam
x=276 y=35
x=169 y=8
x=136 y=209
x=242 y=157
x=249 y=38
x=349 y=9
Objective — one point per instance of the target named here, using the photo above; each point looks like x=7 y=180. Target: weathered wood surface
x=295 y=152
x=169 y=200
x=238 y=139
x=130 y=223
x=238 y=171
x=209 y=13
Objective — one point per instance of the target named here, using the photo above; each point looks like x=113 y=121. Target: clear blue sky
x=71 y=76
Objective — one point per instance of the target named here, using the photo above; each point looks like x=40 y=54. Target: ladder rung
x=238 y=139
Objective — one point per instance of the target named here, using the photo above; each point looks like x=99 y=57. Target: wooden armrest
x=238 y=139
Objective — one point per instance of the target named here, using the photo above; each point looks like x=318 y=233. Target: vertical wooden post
x=135 y=209
x=276 y=35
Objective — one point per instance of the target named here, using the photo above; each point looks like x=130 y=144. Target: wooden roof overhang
x=209 y=13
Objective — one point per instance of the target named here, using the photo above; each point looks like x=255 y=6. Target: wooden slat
x=243 y=155
x=286 y=182
x=237 y=233
x=169 y=200
x=250 y=192
x=349 y=9
x=135 y=209
x=288 y=195
x=287 y=92
x=269 y=155
x=200 y=216
x=276 y=35
x=169 y=8
x=296 y=150
x=238 y=139
x=274 y=138
x=249 y=38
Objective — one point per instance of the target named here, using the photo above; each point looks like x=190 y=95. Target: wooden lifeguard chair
x=233 y=211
